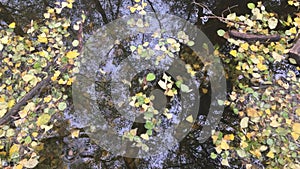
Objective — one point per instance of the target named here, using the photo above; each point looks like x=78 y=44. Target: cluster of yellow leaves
x=23 y=67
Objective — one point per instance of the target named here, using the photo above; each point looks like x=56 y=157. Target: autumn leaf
x=244 y=122
x=190 y=119
x=72 y=54
x=12 y=25
x=14 y=150
x=43 y=119
x=145 y=136
x=224 y=145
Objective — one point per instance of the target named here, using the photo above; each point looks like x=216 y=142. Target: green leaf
x=191 y=43
x=251 y=5
x=150 y=77
x=132 y=48
x=149 y=125
x=213 y=155
x=62 y=106
x=184 y=88
x=221 y=32
x=270 y=141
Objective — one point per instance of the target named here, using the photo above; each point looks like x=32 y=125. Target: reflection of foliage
x=267 y=104
x=166 y=48
x=29 y=64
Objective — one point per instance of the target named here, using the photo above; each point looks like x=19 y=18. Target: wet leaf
x=221 y=32
x=150 y=77
x=75 y=133
x=184 y=88
x=190 y=119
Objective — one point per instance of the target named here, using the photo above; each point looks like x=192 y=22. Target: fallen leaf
x=145 y=136
x=190 y=119
x=224 y=145
x=244 y=122
x=72 y=54
x=43 y=119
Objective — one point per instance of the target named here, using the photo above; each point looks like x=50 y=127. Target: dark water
x=62 y=151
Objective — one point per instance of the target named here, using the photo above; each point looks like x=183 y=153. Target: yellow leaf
x=224 y=145
x=190 y=119
x=293 y=30
x=243 y=144
x=61 y=81
x=35 y=134
x=233 y=53
x=254 y=48
x=11 y=103
x=225 y=162
x=72 y=54
x=46 y=15
x=12 y=25
x=245 y=46
x=274 y=123
x=297 y=21
x=43 y=119
x=145 y=136
x=262 y=67
x=268 y=111
x=30 y=106
x=295 y=135
x=19 y=166
x=214 y=138
x=168 y=115
x=75 y=133
x=170 y=93
x=147 y=100
x=70 y=5
x=42 y=38
x=2 y=112
x=204 y=90
x=298 y=111
x=14 y=149
x=132 y=9
x=133 y=131
x=270 y=154
x=229 y=137
x=70 y=81
x=251 y=112
x=296 y=128
x=256 y=153
x=47 y=99
x=23 y=114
